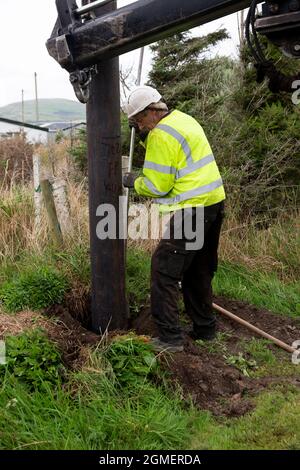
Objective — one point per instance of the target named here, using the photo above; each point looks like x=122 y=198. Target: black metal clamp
x=70 y=17
x=81 y=79
x=82 y=38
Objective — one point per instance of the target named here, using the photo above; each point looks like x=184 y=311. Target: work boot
x=162 y=346
x=207 y=334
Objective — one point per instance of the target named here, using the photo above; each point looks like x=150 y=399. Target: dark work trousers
x=173 y=263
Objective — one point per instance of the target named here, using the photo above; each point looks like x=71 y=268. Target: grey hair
x=160 y=105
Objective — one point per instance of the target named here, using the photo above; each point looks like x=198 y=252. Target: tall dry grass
x=15 y=161
x=274 y=248
x=270 y=244
x=16 y=222
x=266 y=243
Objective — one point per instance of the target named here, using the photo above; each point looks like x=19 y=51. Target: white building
x=34 y=134
x=67 y=129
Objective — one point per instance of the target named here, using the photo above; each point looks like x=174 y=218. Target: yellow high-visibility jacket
x=179 y=168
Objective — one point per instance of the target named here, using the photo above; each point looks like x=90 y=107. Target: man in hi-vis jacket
x=179 y=172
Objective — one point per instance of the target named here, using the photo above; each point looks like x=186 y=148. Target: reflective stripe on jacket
x=179 y=168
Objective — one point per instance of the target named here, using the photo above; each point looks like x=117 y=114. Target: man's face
x=146 y=120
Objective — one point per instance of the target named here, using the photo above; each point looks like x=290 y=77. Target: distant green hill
x=49 y=110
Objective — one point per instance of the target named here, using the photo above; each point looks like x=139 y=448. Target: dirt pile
x=59 y=326
x=202 y=374
x=206 y=377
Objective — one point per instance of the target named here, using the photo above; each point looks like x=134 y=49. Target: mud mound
x=59 y=326
x=16 y=324
x=285 y=328
x=282 y=327
x=205 y=377
x=69 y=334
x=209 y=382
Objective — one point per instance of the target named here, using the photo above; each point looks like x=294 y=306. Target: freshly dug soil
x=205 y=377
x=59 y=326
x=282 y=327
x=202 y=376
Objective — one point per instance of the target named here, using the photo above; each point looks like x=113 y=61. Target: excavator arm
x=80 y=39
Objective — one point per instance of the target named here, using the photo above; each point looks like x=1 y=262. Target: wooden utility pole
x=241 y=27
x=92 y=39
x=36 y=99
x=109 y=304
x=23 y=109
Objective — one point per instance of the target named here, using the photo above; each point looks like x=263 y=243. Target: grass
x=34 y=288
x=259 y=351
x=273 y=425
x=264 y=290
x=113 y=402
x=234 y=281
x=252 y=357
x=94 y=411
x=269 y=363
x=138 y=279
x=100 y=407
x=250 y=279
x=216 y=346
x=272 y=249
x=99 y=420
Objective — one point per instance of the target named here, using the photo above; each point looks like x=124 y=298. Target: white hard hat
x=139 y=99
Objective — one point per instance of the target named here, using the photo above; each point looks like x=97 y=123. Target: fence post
x=51 y=212
x=62 y=204
x=36 y=186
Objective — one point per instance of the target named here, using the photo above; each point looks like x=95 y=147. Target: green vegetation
x=78 y=153
x=253 y=358
x=268 y=363
x=33 y=360
x=258 y=288
x=259 y=351
x=101 y=407
x=34 y=288
x=275 y=424
x=138 y=279
x=246 y=366
x=234 y=281
x=216 y=346
x=253 y=133
x=132 y=360
x=119 y=397
x=37 y=413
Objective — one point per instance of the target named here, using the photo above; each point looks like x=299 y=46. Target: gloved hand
x=132 y=124
x=129 y=179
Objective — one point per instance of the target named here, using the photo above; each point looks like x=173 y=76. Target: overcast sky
x=25 y=27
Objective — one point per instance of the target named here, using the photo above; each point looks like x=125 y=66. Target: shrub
x=15 y=160
x=132 y=360
x=32 y=359
x=138 y=279
x=34 y=289
x=78 y=152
